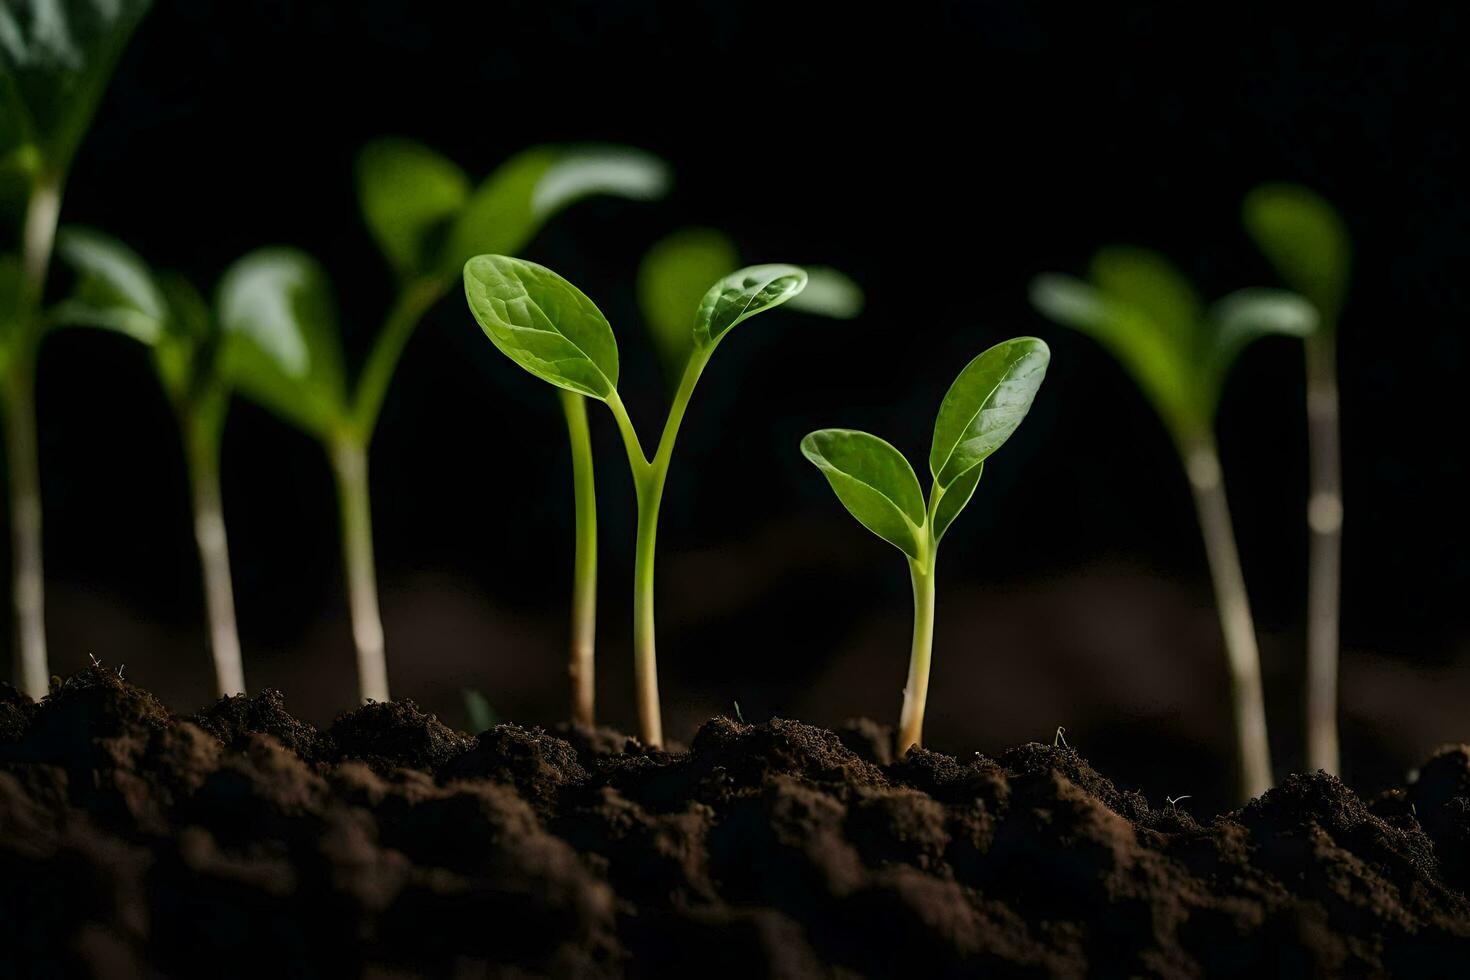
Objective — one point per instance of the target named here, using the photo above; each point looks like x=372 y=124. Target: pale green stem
x=1202 y=463
x=28 y=586
x=916 y=690
x=414 y=300
x=1324 y=570
x=648 y=480
x=202 y=452
x=350 y=465
x=584 y=575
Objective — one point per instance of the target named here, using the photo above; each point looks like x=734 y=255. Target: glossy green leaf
x=407 y=193
x=543 y=323
x=279 y=319
x=874 y=482
x=1306 y=240
x=829 y=293
x=984 y=406
x=113 y=289
x=741 y=295
x=672 y=280
x=55 y=59
x=954 y=500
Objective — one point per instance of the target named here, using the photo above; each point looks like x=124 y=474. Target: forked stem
x=1202 y=462
x=582 y=667
x=349 y=464
x=1324 y=570
x=201 y=440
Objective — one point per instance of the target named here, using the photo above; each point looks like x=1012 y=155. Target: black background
x=941 y=154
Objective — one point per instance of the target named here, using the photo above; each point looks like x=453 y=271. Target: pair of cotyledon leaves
x=1136 y=304
x=984 y=406
x=551 y=329
x=279 y=338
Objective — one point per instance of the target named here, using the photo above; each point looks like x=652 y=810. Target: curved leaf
x=1247 y=315
x=672 y=280
x=407 y=192
x=1305 y=239
x=114 y=288
x=1150 y=284
x=829 y=293
x=984 y=406
x=615 y=171
x=741 y=295
x=279 y=319
x=55 y=59
x=954 y=500
x=543 y=323
x=874 y=482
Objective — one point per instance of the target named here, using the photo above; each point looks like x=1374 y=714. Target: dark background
x=941 y=154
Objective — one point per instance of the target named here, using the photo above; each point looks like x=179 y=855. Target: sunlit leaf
x=407 y=192
x=1307 y=241
x=741 y=295
x=829 y=293
x=985 y=405
x=672 y=280
x=874 y=482
x=613 y=171
x=543 y=323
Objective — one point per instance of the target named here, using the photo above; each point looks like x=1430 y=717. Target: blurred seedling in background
x=114 y=289
x=56 y=57
x=984 y=406
x=547 y=326
x=278 y=307
x=1139 y=307
x=1307 y=242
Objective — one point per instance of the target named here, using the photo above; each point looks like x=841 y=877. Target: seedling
x=547 y=326
x=1143 y=310
x=1307 y=242
x=277 y=303
x=986 y=403
x=116 y=290
x=56 y=57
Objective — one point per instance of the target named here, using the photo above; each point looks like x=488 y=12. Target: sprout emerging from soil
x=1306 y=240
x=1149 y=317
x=547 y=326
x=55 y=61
x=277 y=304
x=986 y=403
x=115 y=290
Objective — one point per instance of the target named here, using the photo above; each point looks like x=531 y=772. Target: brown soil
x=242 y=841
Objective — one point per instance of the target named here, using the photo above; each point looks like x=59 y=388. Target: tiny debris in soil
x=244 y=842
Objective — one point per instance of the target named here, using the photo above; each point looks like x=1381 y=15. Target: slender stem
x=1202 y=461
x=584 y=575
x=350 y=465
x=1324 y=571
x=916 y=690
x=43 y=209
x=414 y=300
x=202 y=452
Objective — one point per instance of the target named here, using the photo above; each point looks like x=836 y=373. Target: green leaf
x=984 y=406
x=11 y=290
x=741 y=295
x=55 y=59
x=954 y=500
x=279 y=319
x=1307 y=241
x=874 y=482
x=672 y=280
x=186 y=355
x=543 y=323
x=1247 y=315
x=407 y=192
x=511 y=205
x=114 y=289
x=1150 y=284
x=829 y=293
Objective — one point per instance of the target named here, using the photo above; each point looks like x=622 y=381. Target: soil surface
x=242 y=841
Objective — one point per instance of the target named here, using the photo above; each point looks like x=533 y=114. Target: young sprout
x=277 y=305
x=1148 y=316
x=986 y=403
x=547 y=326
x=115 y=290
x=55 y=61
x=1307 y=241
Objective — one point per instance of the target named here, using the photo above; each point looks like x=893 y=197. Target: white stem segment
x=916 y=691
x=214 y=557
x=1324 y=572
x=1202 y=461
x=582 y=668
x=349 y=463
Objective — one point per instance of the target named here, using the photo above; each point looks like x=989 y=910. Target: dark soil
x=242 y=841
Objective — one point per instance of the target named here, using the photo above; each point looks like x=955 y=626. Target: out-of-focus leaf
x=672 y=280
x=1306 y=240
x=874 y=482
x=113 y=287
x=829 y=293
x=408 y=192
